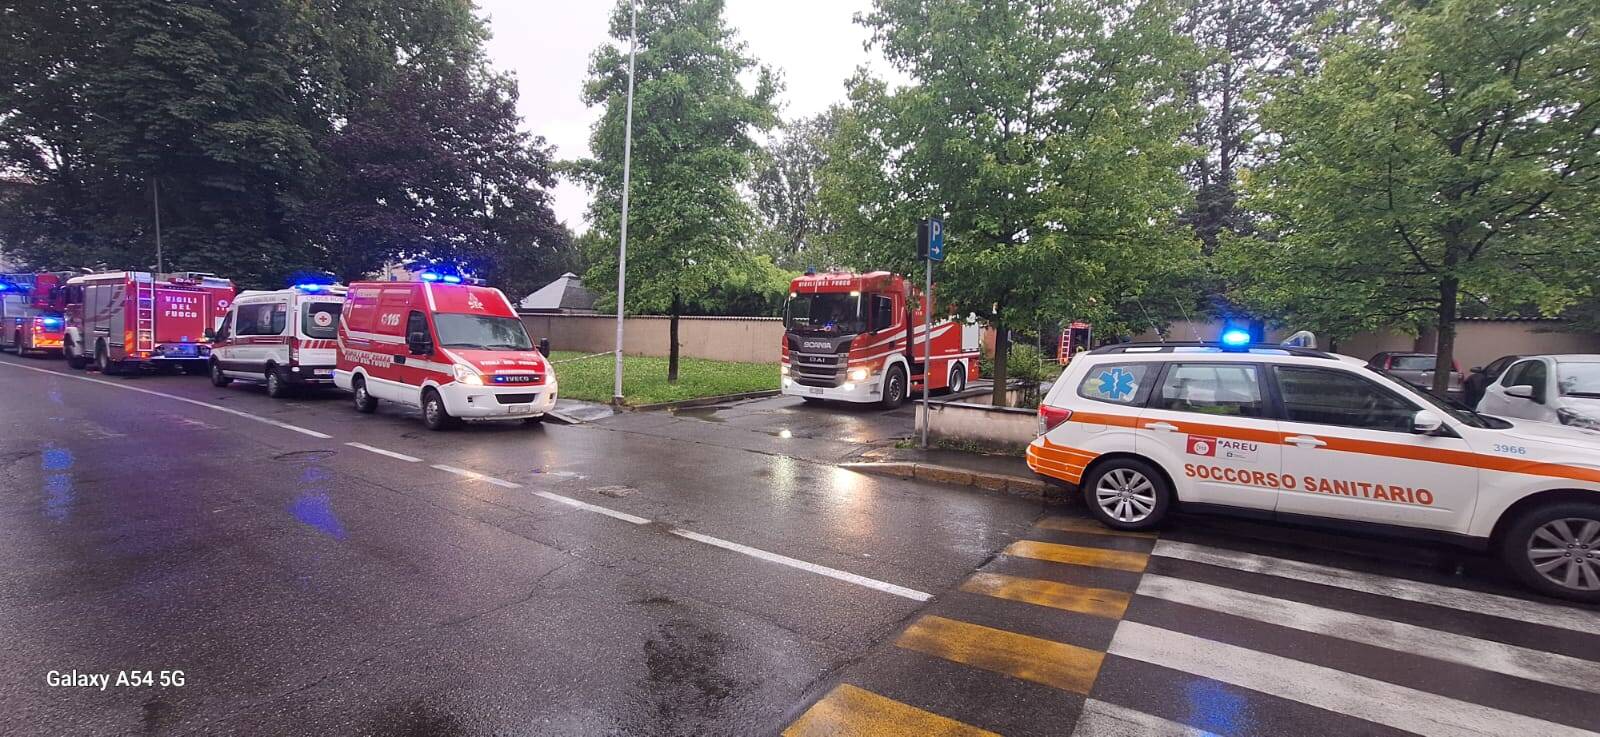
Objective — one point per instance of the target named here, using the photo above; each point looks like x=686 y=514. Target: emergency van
x=283 y=339
x=31 y=307
x=1299 y=435
x=131 y=319
x=860 y=338
x=458 y=351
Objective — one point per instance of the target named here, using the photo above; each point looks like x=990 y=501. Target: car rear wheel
x=434 y=414
x=218 y=378
x=365 y=402
x=277 y=388
x=1127 y=494
x=1555 y=550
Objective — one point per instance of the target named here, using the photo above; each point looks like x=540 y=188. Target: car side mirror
x=419 y=344
x=1426 y=422
x=211 y=334
x=1520 y=392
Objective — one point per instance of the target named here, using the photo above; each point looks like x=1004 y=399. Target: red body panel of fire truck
x=128 y=319
x=860 y=338
x=31 y=312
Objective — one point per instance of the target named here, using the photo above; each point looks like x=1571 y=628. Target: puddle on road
x=58 y=488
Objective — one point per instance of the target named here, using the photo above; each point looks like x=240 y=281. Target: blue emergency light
x=50 y=322
x=451 y=279
x=429 y=276
x=1235 y=338
x=308 y=287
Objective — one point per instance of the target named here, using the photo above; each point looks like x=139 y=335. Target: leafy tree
x=692 y=149
x=787 y=187
x=1419 y=164
x=1046 y=132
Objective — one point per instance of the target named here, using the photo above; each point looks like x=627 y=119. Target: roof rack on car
x=1172 y=346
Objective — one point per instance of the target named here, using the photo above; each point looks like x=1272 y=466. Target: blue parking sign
x=935 y=239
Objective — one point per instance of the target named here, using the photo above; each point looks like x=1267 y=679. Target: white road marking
x=870 y=583
x=1549 y=615
x=474 y=475
x=569 y=501
x=1104 y=719
x=382 y=452
x=176 y=398
x=1326 y=688
x=1522 y=662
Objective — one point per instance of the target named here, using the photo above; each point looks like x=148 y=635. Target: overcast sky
x=814 y=44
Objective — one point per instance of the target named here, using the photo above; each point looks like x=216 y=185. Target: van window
x=1229 y=389
x=361 y=310
x=268 y=318
x=320 y=319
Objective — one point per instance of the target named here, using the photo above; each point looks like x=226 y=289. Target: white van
x=284 y=338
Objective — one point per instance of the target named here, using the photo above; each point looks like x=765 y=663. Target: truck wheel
x=277 y=388
x=1555 y=550
x=218 y=378
x=103 y=362
x=434 y=415
x=365 y=403
x=21 y=349
x=958 y=379
x=74 y=361
x=894 y=387
x=1127 y=494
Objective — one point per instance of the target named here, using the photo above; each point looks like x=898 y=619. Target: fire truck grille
x=817 y=369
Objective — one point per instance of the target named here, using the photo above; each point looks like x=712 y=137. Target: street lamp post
x=627 y=172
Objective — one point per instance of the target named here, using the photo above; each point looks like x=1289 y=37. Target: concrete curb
x=702 y=401
x=957 y=476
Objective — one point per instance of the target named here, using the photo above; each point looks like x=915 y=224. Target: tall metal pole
x=155 y=200
x=927 y=344
x=627 y=173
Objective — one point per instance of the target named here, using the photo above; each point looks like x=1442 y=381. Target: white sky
x=813 y=44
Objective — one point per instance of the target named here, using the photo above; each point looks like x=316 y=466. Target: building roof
x=565 y=293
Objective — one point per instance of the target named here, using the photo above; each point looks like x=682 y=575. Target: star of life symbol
x=473 y=303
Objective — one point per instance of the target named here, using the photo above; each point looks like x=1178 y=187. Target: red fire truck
x=132 y=319
x=859 y=338
x=31 y=312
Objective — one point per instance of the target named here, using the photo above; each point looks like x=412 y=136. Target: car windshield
x=320 y=319
x=838 y=314
x=481 y=332
x=1578 y=378
x=1455 y=409
x=1412 y=363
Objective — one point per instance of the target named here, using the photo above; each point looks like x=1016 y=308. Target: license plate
x=180 y=350
x=816 y=390
x=324 y=372
x=520 y=409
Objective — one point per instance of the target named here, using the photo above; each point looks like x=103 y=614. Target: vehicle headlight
x=1574 y=419
x=783 y=370
x=858 y=374
x=467 y=376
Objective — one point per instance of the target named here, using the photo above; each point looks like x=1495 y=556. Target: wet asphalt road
x=308 y=586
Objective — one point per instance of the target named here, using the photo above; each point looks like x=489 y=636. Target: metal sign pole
x=927 y=346
x=627 y=167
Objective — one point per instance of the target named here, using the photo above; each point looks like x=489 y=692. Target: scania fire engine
x=859 y=338
x=129 y=319
x=31 y=312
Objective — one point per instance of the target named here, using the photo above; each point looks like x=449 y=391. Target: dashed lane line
x=474 y=475
x=597 y=509
x=848 y=710
x=1389 y=704
x=382 y=452
x=870 y=583
x=176 y=398
x=1549 y=615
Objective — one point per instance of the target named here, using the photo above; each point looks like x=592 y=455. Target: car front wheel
x=434 y=414
x=1555 y=550
x=1127 y=494
x=365 y=402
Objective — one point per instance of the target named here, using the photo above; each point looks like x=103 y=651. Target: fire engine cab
x=31 y=307
x=455 y=350
x=131 y=319
x=859 y=338
x=283 y=339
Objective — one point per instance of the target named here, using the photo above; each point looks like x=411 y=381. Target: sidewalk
x=989 y=472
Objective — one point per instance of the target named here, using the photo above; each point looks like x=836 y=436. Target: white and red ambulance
x=283 y=338
x=457 y=351
x=860 y=338
x=131 y=319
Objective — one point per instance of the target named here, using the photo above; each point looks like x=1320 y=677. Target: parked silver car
x=1415 y=369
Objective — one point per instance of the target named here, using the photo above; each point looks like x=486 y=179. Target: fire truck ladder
x=144 y=315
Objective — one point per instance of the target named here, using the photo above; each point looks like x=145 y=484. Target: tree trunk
x=1002 y=351
x=672 y=332
x=1448 y=294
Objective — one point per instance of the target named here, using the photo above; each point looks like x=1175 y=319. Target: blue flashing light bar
x=50 y=322
x=308 y=287
x=429 y=276
x=1235 y=338
x=451 y=279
